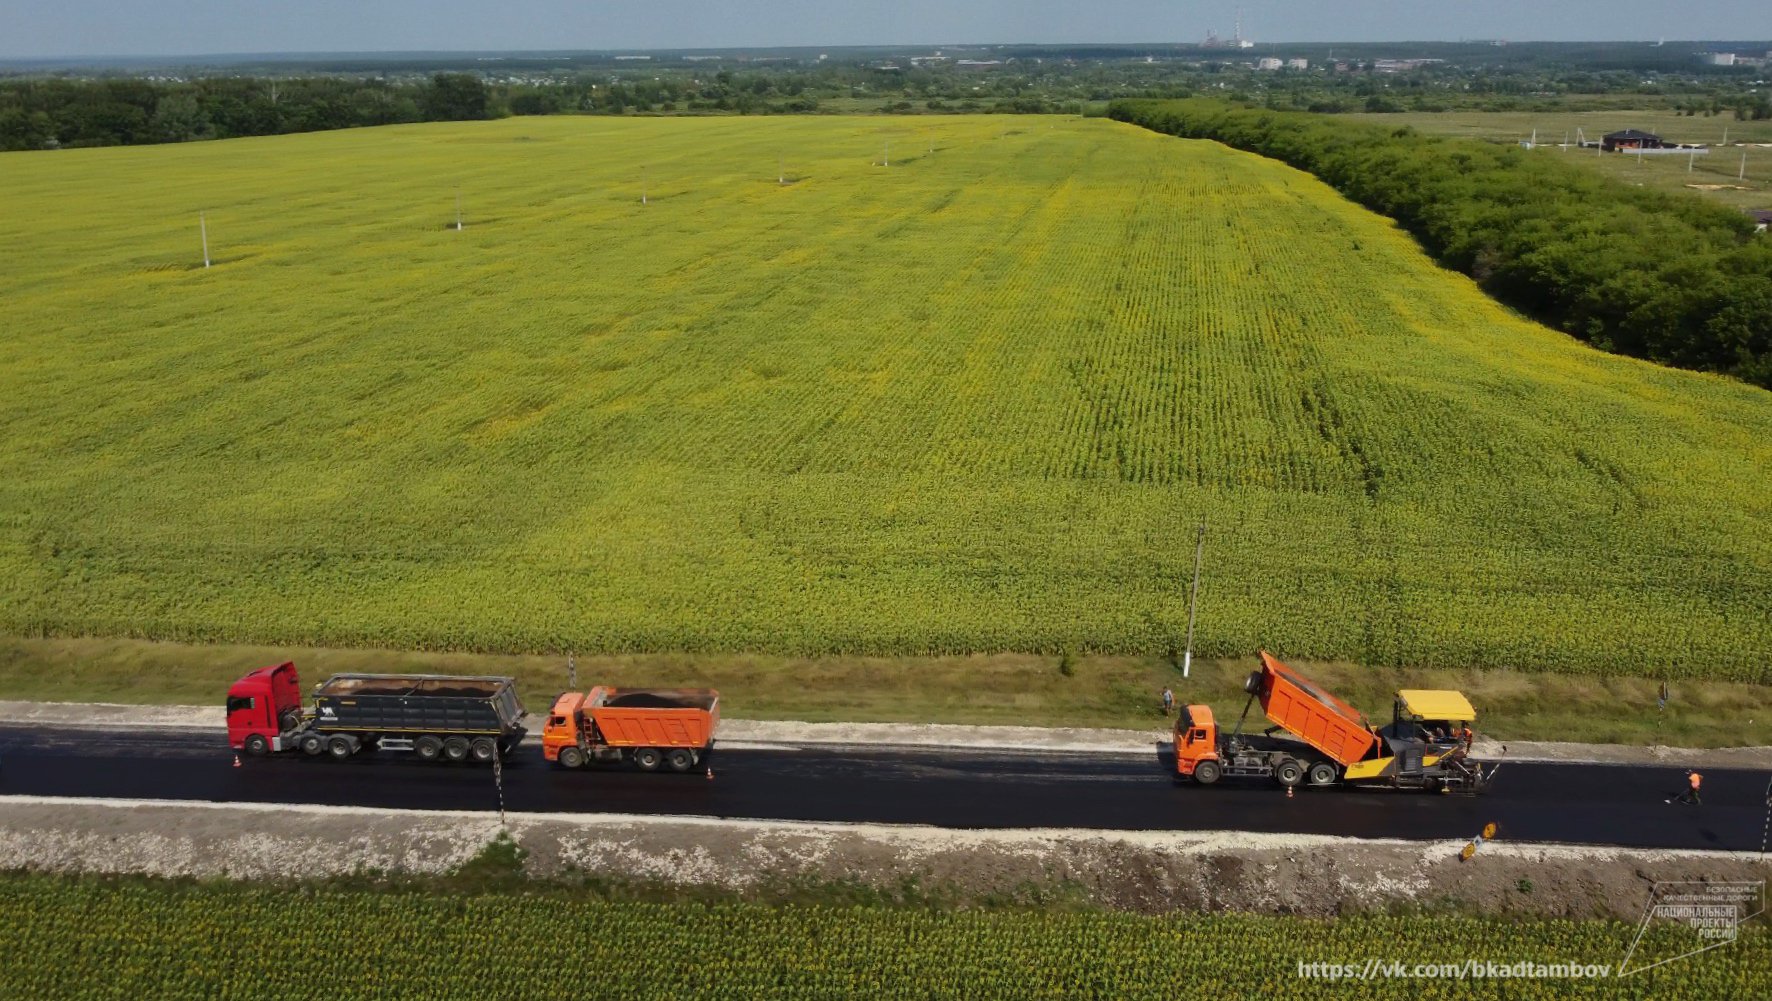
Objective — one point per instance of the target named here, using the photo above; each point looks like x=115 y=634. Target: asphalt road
x=1591 y=804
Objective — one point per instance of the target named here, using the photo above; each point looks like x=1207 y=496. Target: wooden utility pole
x=1193 y=599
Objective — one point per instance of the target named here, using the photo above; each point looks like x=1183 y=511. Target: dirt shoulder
x=740 y=733
x=1087 y=691
x=1150 y=872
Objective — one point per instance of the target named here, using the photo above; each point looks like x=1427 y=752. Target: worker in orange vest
x=1467 y=736
x=1693 y=780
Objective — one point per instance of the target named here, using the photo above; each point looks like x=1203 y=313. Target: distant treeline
x=1666 y=277
x=52 y=113
x=61 y=113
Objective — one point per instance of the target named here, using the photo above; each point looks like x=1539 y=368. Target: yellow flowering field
x=736 y=384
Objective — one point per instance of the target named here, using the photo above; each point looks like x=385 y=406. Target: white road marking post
x=203 y=227
x=1187 y=657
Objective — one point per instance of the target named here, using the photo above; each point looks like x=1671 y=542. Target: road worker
x=1467 y=736
x=1693 y=781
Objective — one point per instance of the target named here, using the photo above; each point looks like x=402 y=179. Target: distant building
x=1267 y=63
x=1298 y=64
x=1718 y=58
x=1612 y=142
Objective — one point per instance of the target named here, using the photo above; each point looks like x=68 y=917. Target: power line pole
x=458 y=210
x=203 y=227
x=1193 y=598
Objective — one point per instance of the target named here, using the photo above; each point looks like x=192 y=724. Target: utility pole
x=203 y=227
x=1193 y=598
x=1741 y=175
x=571 y=671
x=781 y=174
x=458 y=210
x=642 y=185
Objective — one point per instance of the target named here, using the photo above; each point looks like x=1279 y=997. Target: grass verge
x=1017 y=689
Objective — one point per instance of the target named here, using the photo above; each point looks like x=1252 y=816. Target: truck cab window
x=236 y=703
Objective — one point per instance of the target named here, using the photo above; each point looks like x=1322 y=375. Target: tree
x=455 y=97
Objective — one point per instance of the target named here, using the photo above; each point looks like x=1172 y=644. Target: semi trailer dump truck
x=651 y=728
x=437 y=717
x=1327 y=742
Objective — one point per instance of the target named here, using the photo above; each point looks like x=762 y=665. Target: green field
x=94 y=939
x=1722 y=175
x=973 y=401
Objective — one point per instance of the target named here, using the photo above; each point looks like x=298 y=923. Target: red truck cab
x=262 y=706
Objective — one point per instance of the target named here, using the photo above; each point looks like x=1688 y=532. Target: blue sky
x=50 y=28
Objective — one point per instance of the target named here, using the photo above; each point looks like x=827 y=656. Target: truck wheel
x=1206 y=772
x=484 y=748
x=571 y=757
x=680 y=759
x=1322 y=774
x=648 y=759
x=456 y=749
x=1252 y=684
x=1289 y=773
x=427 y=747
x=340 y=747
x=257 y=745
x=312 y=744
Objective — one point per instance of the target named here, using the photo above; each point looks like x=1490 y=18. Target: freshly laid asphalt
x=970 y=788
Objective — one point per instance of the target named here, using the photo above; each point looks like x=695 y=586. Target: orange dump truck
x=1328 y=741
x=653 y=728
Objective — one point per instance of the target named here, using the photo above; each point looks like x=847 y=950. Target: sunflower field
x=736 y=384
x=80 y=939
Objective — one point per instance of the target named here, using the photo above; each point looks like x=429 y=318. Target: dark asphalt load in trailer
x=1591 y=804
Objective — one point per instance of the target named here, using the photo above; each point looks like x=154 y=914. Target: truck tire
x=341 y=747
x=428 y=747
x=1289 y=772
x=1206 y=772
x=312 y=744
x=256 y=745
x=571 y=757
x=680 y=759
x=648 y=759
x=484 y=749
x=1252 y=684
x=1322 y=773
x=456 y=749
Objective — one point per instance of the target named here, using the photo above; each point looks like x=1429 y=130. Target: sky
x=33 y=29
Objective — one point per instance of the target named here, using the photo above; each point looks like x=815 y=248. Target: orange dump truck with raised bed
x=1328 y=742
x=653 y=728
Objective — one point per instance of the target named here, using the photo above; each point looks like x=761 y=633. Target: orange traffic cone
x=236 y=761
x=1288 y=792
x=710 y=775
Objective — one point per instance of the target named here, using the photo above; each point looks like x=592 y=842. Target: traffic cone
x=710 y=774
x=236 y=761
x=1288 y=792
